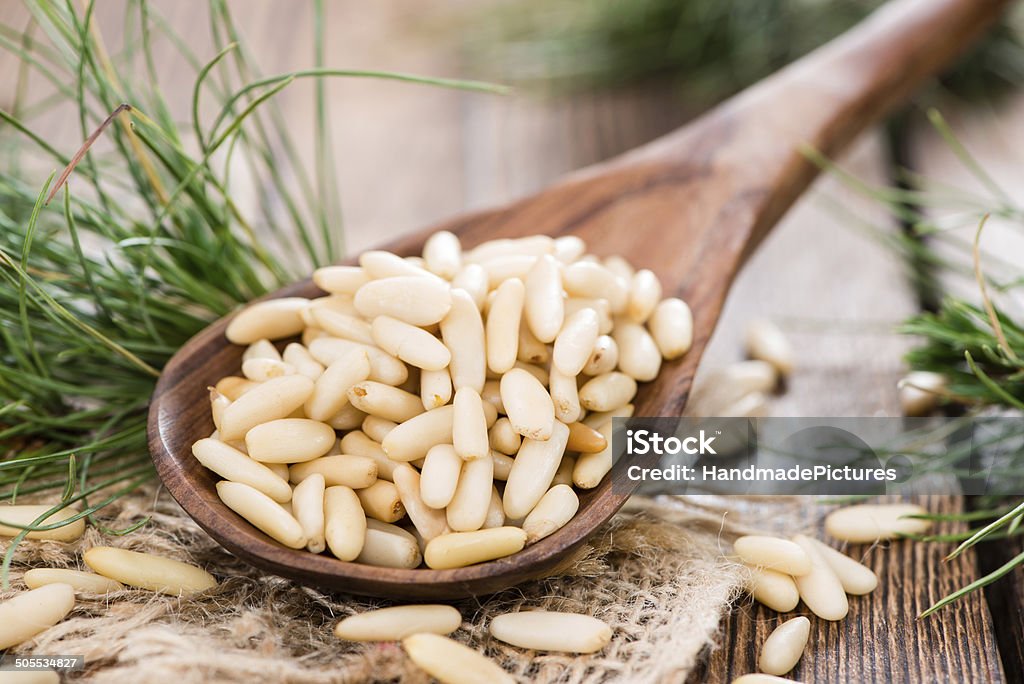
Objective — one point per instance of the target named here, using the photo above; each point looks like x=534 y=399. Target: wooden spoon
x=691 y=206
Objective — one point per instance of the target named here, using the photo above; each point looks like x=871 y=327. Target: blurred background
x=590 y=79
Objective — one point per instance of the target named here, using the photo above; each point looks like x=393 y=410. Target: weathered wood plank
x=881 y=640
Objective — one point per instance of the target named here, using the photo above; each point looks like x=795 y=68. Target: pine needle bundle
x=108 y=268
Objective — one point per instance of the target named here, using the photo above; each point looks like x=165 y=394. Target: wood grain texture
x=1005 y=600
x=690 y=206
x=881 y=640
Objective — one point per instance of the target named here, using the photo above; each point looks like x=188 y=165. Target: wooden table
x=833 y=289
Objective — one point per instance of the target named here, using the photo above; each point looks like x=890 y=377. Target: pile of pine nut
x=782 y=572
x=439 y=410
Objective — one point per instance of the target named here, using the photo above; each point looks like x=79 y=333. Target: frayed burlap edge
x=655 y=573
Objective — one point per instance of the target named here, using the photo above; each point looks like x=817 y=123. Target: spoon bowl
x=690 y=206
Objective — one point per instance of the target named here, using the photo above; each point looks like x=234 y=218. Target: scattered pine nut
x=26 y=514
x=544 y=630
x=773 y=589
x=397 y=622
x=820 y=589
x=766 y=342
x=868 y=523
x=31 y=612
x=773 y=553
x=86 y=582
x=147 y=571
x=782 y=649
x=451 y=662
x=920 y=392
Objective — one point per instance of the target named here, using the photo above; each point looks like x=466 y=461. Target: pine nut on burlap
x=659 y=580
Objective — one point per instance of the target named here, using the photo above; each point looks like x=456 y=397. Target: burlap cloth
x=656 y=573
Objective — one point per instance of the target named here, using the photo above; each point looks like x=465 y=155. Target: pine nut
x=820 y=589
x=502 y=437
x=147 y=571
x=528 y=404
x=919 y=392
x=759 y=678
x=544 y=630
x=32 y=612
x=857 y=579
x=302 y=361
x=765 y=342
x=552 y=512
x=604 y=357
x=260 y=370
x=773 y=589
x=348 y=418
x=377 y=428
x=86 y=582
x=492 y=395
x=411 y=299
x=644 y=294
x=532 y=246
x=544 y=308
x=308 y=510
x=459 y=549
x=273 y=399
x=639 y=356
x=273 y=319
x=25 y=514
x=329 y=394
x=594 y=281
x=233 y=386
x=503 y=323
x=467 y=510
x=429 y=522
x=397 y=622
x=289 y=440
x=469 y=427
x=435 y=388
x=575 y=342
x=495 y=511
x=340 y=279
x=598 y=418
x=345 y=523
x=868 y=523
x=381 y=501
x=585 y=439
x=279 y=469
x=261 y=349
x=590 y=469
x=383 y=366
x=263 y=512
x=607 y=392
x=500 y=269
x=235 y=466
x=619 y=266
x=782 y=649
x=339 y=303
x=343 y=325
x=412 y=439
x=415 y=346
x=532 y=471
x=389 y=546
x=463 y=333
x=384 y=401
x=358 y=444
x=569 y=248
x=440 y=476
x=473 y=279
x=531 y=350
x=773 y=553
x=379 y=264
x=564 y=473
x=502 y=465
x=671 y=325
x=452 y=663
x=598 y=306
x=442 y=253
x=348 y=470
